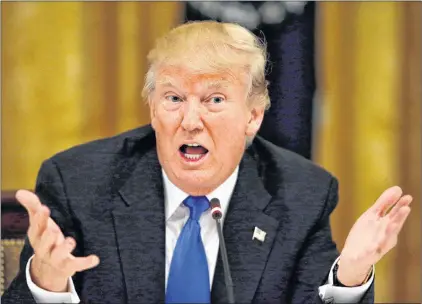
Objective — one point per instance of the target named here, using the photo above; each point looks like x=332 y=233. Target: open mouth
x=193 y=152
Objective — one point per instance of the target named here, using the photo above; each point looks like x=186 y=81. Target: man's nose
x=192 y=116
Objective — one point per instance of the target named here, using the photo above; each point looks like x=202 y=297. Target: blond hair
x=210 y=46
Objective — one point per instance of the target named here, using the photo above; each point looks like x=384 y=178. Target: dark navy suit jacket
x=108 y=195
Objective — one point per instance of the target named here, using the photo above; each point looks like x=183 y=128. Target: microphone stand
x=227 y=275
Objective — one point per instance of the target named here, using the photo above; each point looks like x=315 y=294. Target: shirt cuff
x=329 y=292
x=43 y=296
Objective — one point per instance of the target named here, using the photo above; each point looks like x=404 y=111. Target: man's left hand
x=372 y=236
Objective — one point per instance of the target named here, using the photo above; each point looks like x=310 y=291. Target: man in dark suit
x=126 y=219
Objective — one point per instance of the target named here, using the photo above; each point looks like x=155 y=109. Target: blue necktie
x=188 y=279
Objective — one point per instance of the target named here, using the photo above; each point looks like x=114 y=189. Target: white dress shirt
x=176 y=216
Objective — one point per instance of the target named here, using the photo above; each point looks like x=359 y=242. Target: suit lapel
x=247 y=258
x=139 y=223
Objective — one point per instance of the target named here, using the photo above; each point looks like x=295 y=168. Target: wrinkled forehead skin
x=191 y=80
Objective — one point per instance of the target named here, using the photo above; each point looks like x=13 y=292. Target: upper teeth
x=193 y=145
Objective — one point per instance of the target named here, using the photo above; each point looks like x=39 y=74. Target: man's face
x=201 y=124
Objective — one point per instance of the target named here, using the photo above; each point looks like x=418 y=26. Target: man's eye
x=173 y=98
x=216 y=99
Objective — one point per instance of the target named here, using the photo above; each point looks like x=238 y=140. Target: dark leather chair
x=14 y=225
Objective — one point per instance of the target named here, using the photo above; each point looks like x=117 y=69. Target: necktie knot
x=197 y=205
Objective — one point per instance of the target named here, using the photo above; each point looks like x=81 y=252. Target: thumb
x=84 y=263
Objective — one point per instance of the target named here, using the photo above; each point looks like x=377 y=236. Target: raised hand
x=53 y=262
x=373 y=235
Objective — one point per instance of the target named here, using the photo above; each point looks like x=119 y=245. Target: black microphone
x=217 y=215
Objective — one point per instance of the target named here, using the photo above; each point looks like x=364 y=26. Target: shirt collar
x=173 y=196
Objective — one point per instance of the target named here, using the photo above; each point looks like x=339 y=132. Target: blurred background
x=345 y=89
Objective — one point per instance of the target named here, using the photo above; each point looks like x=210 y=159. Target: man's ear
x=255 y=120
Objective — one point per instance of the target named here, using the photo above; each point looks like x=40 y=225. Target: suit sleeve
x=51 y=192
x=317 y=257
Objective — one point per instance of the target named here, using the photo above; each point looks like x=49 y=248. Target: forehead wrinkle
x=168 y=81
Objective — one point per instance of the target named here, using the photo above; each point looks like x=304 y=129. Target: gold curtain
x=366 y=99
x=72 y=72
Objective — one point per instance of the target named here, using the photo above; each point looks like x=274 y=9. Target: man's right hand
x=53 y=263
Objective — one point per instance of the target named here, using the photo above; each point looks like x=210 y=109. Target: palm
x=376 y=231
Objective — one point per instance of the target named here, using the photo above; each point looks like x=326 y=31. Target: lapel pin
x=259 y=235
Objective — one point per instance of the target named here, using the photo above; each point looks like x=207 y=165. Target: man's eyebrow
x=167 y=82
